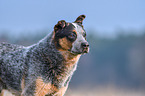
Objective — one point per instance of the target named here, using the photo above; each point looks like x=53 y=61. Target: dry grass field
x=105 y=92
x=100 y=92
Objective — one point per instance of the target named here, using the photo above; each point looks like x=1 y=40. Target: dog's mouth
x=83 y=51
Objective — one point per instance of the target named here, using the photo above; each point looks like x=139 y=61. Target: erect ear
x=80 y=19
x=60 y=25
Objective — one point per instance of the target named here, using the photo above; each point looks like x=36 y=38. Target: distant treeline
x=119 y=61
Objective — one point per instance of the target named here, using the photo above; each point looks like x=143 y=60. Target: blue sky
x=102 y=15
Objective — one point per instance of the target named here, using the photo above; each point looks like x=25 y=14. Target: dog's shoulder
x=10 y=47
x=7 y=47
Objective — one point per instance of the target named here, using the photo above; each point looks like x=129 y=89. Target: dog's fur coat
x=45 y=68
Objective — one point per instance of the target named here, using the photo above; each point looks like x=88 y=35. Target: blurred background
x=115 y=30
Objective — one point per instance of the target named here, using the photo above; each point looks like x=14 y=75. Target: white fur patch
x=76 y=25
x=80 y=38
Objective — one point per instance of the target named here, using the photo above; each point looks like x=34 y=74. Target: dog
x=44 y=68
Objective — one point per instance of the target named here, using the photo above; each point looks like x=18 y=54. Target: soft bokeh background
x=115 y=29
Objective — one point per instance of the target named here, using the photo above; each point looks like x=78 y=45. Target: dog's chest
x=43 y=88
x=61 y=81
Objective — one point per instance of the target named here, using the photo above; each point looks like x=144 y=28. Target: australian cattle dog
x=44 y=68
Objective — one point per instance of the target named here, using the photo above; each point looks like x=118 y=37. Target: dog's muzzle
x=80 y=48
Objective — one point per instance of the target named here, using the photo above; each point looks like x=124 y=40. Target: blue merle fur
x=18 y=62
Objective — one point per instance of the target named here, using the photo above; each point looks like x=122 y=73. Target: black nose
x=85 y=45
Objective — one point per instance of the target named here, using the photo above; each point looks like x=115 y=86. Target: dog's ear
x=80 y=19
x=60 y=25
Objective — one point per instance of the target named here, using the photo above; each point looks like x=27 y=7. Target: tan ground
x=100 y=92
x=105 y=92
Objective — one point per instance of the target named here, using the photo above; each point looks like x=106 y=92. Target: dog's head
x=71 y=36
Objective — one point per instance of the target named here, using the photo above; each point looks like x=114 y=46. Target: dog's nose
x=85 y=45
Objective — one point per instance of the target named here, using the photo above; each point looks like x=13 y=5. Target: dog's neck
x=60 y=62
x=69 y=57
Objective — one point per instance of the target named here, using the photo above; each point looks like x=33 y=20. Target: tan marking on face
x=65 y=43
x=75 y=31
x=43 y=88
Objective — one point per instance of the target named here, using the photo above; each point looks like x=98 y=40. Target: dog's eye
x=72 y=36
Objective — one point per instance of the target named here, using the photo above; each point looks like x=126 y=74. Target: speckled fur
x=23 y=68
